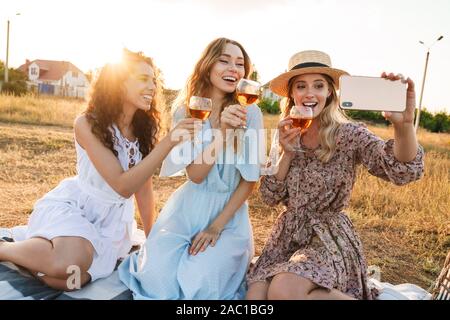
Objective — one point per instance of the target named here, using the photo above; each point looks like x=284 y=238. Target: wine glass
x=247 y=93
x=301 y=117
x=200 y=108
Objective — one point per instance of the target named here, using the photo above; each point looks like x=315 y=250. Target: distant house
x=268 y=94
x=59 y=78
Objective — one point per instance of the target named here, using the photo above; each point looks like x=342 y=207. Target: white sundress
x=86 y=206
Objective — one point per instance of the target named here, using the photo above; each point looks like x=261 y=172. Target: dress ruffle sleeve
x=378 y=157
x=272 y=190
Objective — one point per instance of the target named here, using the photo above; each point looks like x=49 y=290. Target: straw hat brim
x=279 y=85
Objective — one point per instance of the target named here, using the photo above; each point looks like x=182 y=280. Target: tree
x=426 y=119
x=269 y=106
x=254 y=75
x=374 y=117
x=17 y=81
x=441 y=122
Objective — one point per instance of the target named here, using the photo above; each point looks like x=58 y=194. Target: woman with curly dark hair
x=83 y=226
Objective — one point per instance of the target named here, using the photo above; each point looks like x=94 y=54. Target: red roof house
x=56 y=78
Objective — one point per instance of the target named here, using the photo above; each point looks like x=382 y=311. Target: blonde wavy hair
x=199 y=84
x=330 y=119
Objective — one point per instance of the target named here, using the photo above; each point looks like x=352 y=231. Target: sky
x=362 y=37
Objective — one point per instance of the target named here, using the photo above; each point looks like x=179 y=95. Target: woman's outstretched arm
x=128 y=182
x=405 y=140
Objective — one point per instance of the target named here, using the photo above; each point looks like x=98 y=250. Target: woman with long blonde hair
x=313 y=251
x=201 y=244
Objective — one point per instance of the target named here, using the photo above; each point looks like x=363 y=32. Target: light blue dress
x=163 y=268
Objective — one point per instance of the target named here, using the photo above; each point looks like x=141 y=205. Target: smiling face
x=140 y=86
x=310 y=90
x=228 y=69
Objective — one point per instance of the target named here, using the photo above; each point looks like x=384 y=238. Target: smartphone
x=371 y=94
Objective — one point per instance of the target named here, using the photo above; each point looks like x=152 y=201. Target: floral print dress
x=313 y=237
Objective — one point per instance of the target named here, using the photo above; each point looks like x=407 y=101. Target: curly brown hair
x=107 y=98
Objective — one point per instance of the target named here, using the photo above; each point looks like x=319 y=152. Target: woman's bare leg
x=257 y=291
x=289 y=286
x=51 y=258
x=65 y=284
x=325 y=294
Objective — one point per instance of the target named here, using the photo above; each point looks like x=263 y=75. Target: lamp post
x=7 y=49
x=416 y=126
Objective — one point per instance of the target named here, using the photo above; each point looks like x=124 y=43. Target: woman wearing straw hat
x=313 y=251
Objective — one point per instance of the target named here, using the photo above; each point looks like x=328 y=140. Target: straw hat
x=310 y=61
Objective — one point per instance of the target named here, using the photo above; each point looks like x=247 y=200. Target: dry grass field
x=405 y=230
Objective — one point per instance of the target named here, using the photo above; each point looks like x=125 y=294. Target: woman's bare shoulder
x=82 y=129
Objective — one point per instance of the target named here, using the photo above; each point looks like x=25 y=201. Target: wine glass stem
x=198 y=140
x=298 y=146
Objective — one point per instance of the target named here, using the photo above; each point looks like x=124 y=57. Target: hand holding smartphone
x=371 y=94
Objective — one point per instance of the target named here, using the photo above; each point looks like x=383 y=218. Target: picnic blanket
x=17 y=283
x=388 y=291
x=404 y=291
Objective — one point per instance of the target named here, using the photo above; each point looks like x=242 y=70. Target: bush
x=371 y=116
x=269 y=106
x=439 y=122
x=17 y=88
x=426 y=120
x=17 y=81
